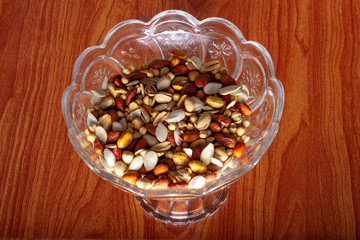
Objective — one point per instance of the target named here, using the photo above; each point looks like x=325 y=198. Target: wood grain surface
x=305 y=186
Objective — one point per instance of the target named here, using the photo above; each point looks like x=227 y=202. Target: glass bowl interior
x=137 y=42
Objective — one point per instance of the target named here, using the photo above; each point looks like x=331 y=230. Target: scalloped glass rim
x=273 y=89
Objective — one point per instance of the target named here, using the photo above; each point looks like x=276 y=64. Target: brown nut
x=113 y=115
x=210 y=177
x=118 y=153
x=98 y=146
x=239 y=149
x=161 y=183
x=150 y=128
x=214 y=127
x=200 y=143
x=138 y=76
x=196 y=154
x=180 y=70
x=120 y=104
x=171 y=139
x=179 y=185
x=225 y=139
x=159 y=63
x=202 y=80
x=227 y=80
x=141 y=144
x=190 y=136
x=189 y=89
x=243 y=108
x=113 y=136
x=213 y=168
x=181 y=159
x=130 y=96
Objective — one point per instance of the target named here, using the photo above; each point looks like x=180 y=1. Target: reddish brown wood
x=306 y=185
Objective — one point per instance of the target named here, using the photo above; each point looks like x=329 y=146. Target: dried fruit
x=171 y=139
x=124 y=139
x=118 y=153
x=225 y=139
x=190 y=136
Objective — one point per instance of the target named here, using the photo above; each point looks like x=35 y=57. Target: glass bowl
x=137 y=42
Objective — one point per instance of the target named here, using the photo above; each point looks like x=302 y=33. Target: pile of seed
x=173 y=123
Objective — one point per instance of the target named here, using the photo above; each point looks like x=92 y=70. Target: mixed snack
x=176 y=123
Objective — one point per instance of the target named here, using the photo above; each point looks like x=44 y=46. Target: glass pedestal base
x=182 y=212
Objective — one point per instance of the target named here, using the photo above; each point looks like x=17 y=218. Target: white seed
x=196 y=62
x=163 y=83
x=142 y=130
x=197 y=182
x=212 y=88
x=176 y=97
x=204 y=122
x=111 y=145
x=137 y=123
x=144 y=183
x=101 y=134
x=242 y=97
x=175 y=116
x=217 y=162
x=132 y=83
x=96 y=100
x=120 y=168
x=98 y=93
x=177 y=136
x=91 y=119
x=160 y=107
x=246 y=123
x=171 y=105
x=150 y=160
x=91 y=137
x=105 y=122
x=127 y=157
x=231 y=104
x=136 y=113
x=229 y=89
x=161 y=132
x=172 y=126
x=136 y=163
x=105 y=164
x=188 y=152
x=109 y=157
x=182 y=124
x=193 y=104
x=181 y=101
x=207 y=153
x=160 y=147
x=105 y=83
x=159 y=118
x=203 y=134
x=150 y=140
x=245 y=138
x=163 y=97
x=133 y=106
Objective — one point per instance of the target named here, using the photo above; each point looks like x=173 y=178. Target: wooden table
x=306 y=185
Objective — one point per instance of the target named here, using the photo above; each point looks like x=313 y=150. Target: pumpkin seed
x=161 y=132
x=229 y=89
x=175 y=116
x=120 y=168
x=163 y=97
x=150 y=160
x=212 y=88
x=209 y=66
x=109 y=157
x=207 y=153
x=161 y=146
x=136 y=163
x=105 y=164
x=197 y=182
x=91 y=119
x=98 y=93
